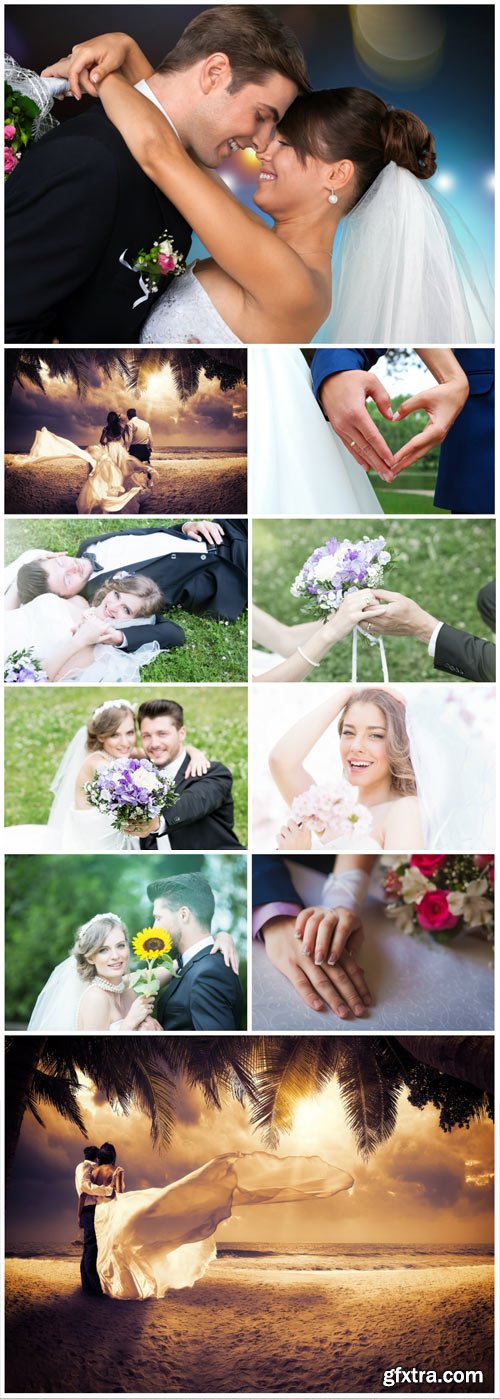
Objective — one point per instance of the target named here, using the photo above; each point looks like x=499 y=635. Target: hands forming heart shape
x=344 y=397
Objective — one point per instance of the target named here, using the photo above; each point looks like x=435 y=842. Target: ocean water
x=311 y=1257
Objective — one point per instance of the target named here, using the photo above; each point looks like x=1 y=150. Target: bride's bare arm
x=94 y=59
x=259 y=262
x=287 y=757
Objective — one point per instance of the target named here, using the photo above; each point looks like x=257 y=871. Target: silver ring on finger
x=352 y=444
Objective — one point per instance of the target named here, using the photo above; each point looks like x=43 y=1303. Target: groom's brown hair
x=255 y=40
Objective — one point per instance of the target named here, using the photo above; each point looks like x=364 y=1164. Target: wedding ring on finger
x=352 y=444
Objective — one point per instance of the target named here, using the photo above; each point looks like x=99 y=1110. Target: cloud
x=210 y=418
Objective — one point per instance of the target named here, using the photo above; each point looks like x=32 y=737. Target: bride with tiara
x=74 y=826
x=421 y=766
x=343 y=175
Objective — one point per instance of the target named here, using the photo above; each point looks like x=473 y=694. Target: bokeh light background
x=437 y=60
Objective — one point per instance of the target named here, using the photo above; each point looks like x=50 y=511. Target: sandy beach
x=188 y=485
x=249 y=1326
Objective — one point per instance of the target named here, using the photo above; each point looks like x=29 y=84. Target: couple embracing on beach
x=143 y=1243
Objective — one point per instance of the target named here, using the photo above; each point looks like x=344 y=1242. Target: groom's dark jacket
x=272 y=882
x=76 y=202
x=213 y=583
x=205 y=996
x=459 y=653
x=466 y=475
x=202 y=817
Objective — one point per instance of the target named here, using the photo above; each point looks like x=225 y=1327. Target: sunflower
x=151 y=943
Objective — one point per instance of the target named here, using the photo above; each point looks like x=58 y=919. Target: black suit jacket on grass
x=212 y=583
x=77 y=201
x=459 y=653
x=205 y=996
x=203 y=816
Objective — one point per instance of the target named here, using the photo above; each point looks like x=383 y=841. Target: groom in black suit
x=202 y=817
x=206 y=995
x=206 y=574
x=78 y=207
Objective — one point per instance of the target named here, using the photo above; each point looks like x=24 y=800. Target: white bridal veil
x=56 y=1009
x=403 y=270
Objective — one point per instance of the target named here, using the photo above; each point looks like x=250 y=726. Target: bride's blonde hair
x=397 y=741
x=91 y=937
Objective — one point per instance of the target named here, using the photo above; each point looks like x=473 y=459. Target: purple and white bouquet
x=332 y=808
x=338 y=567
x=132 y=791
x=23 y=668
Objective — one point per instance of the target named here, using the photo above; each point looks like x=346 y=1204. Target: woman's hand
x=225 y=943
x=90 y=62
x=198 y=762
x=351 y=612
x=341 y=988
x=294 y=836
x=150 y=1026
x=91 y=630
x=326 y=933
x=139 y=1011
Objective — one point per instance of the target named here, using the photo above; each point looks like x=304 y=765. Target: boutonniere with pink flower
x=162 y=260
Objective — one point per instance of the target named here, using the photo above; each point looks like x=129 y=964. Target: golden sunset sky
x=421 y=1186
x=209 y=419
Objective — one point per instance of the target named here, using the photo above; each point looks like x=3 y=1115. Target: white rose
x=144 y=779
x=326 y=569
x=414 y=885
x=166 y=247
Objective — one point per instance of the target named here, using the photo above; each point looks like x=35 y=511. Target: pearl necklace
x=116 y=988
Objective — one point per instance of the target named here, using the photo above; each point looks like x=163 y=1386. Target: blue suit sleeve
x=328 y=362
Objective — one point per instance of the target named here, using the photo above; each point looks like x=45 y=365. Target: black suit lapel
x=176 y=983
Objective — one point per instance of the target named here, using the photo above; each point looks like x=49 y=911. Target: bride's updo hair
x=105 y=724
x=91 y=937
x=397 y=741
x=151 y=595
x=350 y=123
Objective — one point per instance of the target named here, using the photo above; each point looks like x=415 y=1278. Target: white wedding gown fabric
x=74 y=831
x=406 y=271
x=185 y=315
x=152 y=1241
x=297 y=465
x=103 y=492
x=47 y=621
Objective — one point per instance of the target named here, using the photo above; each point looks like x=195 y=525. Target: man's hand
x=343 y=397
x=151 y=828
x=203 y=529
x=343 y=988
x=401 y=617
x=443 y=403
x=325 y=933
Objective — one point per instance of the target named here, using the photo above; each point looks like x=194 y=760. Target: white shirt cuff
x=162 y=828
x=432 y=644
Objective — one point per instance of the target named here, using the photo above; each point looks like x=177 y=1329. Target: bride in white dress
x=109 y=463
x=341 y=162
x=153 y=1240
x=421 y=764
x=74 y=642
x=90 y=990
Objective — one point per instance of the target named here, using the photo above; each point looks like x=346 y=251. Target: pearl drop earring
x=333 y=197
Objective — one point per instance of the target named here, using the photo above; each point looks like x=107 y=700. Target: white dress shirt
x=432 y=643
x=138 y=430
x=197 y=946
x=170 y=770
x=147 y=91
x=126 y=549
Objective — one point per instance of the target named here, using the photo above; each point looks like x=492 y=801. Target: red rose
x=433 y=913
x=482 y=860
x=428 y=864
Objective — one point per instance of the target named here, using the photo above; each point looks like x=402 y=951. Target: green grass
x=441 y=565
x=214 y=650
x=39 y=725
x=396 y=502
